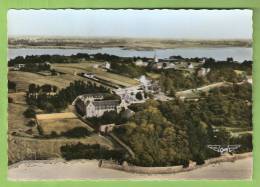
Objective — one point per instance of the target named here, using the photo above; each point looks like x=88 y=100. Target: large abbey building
x=95 y=105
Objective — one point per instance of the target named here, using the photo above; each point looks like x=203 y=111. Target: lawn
x=21 y=148
x=99 y=72
x=59 y=126
x=16 y=121
x=23 y=79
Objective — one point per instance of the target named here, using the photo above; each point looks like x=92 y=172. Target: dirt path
x=203 y=88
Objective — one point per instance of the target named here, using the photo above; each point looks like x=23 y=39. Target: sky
x=174 y=24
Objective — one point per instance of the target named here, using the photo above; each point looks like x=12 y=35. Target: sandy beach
x=88 y=169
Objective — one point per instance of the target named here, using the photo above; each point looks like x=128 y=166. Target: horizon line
x=124 y=37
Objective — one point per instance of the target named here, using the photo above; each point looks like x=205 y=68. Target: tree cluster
x=174 y=80
x=59 y=101
x=36 y=67
x=109 y=117
x=128 y=69
x=85 y=151
x=174 y=132
x=155 y=140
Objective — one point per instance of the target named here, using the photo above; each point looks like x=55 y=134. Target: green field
x=23 y=79
x=99 y=73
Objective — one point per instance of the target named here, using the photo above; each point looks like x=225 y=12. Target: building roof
x=106 y=103
x=95 y=95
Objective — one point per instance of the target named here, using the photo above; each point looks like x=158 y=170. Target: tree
x=54 y=88
x=230 y=59
x=32 y=88
x=46 y=88
x=29 y=113
x=109 y=117
x=12 y=85
x=172 y=92
x=77 y=132
x=49 y=108
x=164 y=64
x=139 y=96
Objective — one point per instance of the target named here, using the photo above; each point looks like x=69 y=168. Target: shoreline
x=137 y=48
x=88 y=169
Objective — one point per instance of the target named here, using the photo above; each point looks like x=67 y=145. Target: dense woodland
x=174 y=132
x=30 y=59
x=229 y=63
x=174 y=80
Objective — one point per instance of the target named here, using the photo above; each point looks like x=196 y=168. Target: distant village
x=94 y=105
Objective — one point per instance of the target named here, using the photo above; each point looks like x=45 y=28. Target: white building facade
x=94 y=105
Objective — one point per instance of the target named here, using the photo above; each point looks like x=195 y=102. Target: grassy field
x=18 y=97
x=21 y=148
x=99 y=72
x=59 y=126
x=23 y=79
x=56 y=116
x=17 y=122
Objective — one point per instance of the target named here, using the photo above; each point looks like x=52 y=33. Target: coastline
x=137 y=48
x=60 y=169
x=175 y=169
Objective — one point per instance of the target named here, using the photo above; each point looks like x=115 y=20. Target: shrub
x=76 y=132
x=31 y=123
x=40 y=130
x=49 y=108
x=199 y=160
x=245 y=142
x=185 y=163
x=53 y=134
x=10 y=100
x=85 y=151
